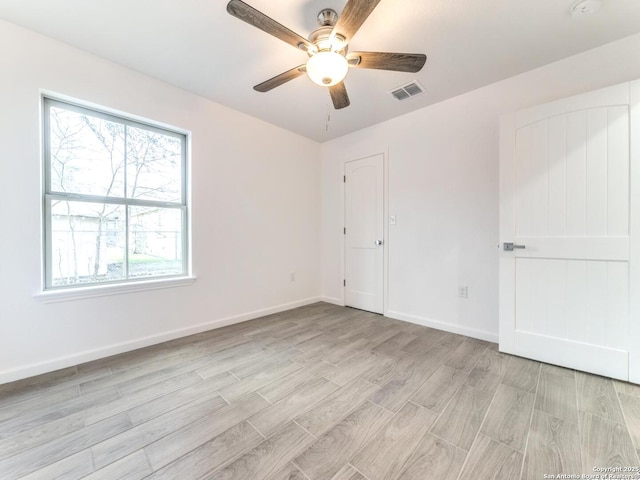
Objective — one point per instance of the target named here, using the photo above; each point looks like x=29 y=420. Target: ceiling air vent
x=409 y=90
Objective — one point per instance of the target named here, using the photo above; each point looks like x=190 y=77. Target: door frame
x=634 y=232
x=507 y=185
x=385 y=227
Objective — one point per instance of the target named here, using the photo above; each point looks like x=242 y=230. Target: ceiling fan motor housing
x=321 y=39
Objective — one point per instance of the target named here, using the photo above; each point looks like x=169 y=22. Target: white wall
x=255 y=215
x=443 y=187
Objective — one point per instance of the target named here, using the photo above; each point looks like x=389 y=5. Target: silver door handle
x=378 y=242
x=510 y=247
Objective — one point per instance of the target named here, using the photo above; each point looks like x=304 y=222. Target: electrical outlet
x=392 y=220
x=463 y=291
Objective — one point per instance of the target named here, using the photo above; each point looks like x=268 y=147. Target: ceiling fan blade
x=280 y=79
x=339 y=96
x=353 y=15
x=254 y=17
x=400 y=62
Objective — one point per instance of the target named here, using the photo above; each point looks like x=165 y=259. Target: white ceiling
x=196 y=45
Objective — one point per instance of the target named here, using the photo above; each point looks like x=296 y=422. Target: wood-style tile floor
x=317 y=393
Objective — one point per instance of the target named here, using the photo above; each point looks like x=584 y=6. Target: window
x=114 y=201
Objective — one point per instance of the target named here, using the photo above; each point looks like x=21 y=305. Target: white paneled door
x=567 y=221
x=364 y=231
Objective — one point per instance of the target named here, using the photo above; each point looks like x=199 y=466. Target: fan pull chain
x=326 y=127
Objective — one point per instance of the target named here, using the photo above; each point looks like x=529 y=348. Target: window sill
x=63 y=295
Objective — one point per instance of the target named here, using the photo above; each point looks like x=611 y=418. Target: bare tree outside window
x=115 y=198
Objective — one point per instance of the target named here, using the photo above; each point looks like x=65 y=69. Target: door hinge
x=344 y=230
x=344 y=283
x=344 y=179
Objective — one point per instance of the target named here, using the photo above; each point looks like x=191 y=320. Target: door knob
x=510 y=246
x=378 y=242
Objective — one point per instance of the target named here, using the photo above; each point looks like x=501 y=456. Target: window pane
x=154 y=166
x=93 y=239
x=87 y=154
x=87 y=242
x=155 y=241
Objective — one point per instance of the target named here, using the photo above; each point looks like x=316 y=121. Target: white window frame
x=52 y=292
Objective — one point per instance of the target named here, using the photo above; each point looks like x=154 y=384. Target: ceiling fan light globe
x=327 y=68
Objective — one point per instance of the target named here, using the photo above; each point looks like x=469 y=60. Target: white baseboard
x=333 y=300
x=447 y=327
x=47 y=366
